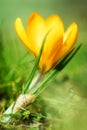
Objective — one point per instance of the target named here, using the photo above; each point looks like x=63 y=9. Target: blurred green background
x=66 y=96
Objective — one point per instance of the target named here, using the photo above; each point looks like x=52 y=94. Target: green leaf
x=30 y=78
x=67 y=58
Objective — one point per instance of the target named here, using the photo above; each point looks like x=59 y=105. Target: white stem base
x=22 y=101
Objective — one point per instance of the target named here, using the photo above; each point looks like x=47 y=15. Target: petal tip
x=75 y=26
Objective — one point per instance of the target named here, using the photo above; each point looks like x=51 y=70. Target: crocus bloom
x=58 y=43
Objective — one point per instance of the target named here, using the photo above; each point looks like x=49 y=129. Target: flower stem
x=36 y=80
x=38 y=89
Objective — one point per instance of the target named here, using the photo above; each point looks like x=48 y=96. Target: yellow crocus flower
x=58 y=43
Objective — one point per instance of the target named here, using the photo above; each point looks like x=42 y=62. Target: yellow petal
x=71 y=33
x=55 y=31
x=70 y=37
x=49 y=61
x=53 y=42
x=54 y=21
x=36 y=31
x=21 y=32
